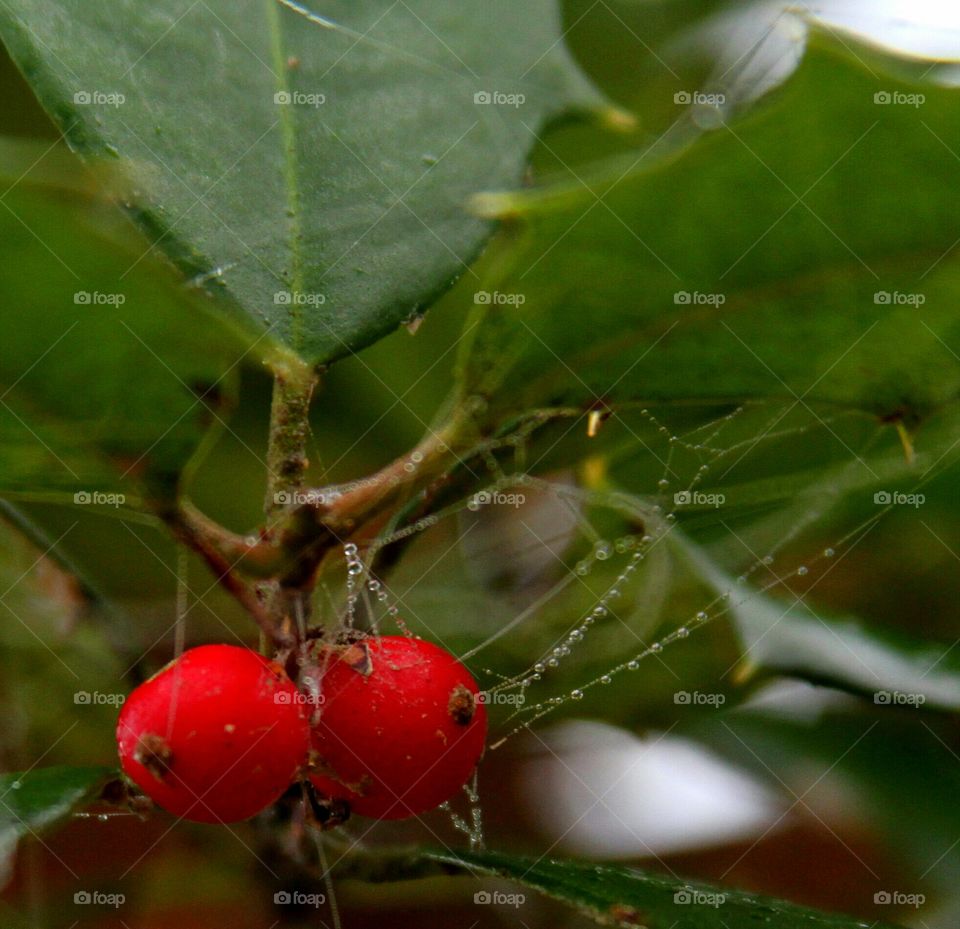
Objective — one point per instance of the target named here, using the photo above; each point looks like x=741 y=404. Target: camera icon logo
x=882 y=97
x=283 y=897
x=82 y=697
x=282 y=97
x=682 y=697
x=882 y=497
x=82 y=97
x=283 y=498
x=682 y=498
x=882 y=897
x=82 y=298
x=682 y=97
x=82 y=897
x=482 y=896
x=282 y=297
x=482 y=97
x=683 y=897
x=82 y=497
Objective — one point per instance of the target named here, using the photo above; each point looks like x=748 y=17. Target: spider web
x=596 y=580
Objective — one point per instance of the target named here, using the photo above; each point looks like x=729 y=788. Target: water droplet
x=16 y=785
x=633 y=665
x=802 y=571
x=767 y=559
x=553 y=663
x=663 y=483
x=539 y=667
x=828 y=553
x=656 y=648
x=702 y=616
x=599 y=611
x=103 y=817
x=606 y=679
x=682 y=632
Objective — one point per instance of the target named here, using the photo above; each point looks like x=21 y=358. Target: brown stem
x=193 y=536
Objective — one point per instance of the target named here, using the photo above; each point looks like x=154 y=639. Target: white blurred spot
x=604 y=792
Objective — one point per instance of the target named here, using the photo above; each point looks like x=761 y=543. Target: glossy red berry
x=399 y=729
x=215 y=736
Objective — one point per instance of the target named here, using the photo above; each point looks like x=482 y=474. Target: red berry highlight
x=400 y=729
x=215 y=736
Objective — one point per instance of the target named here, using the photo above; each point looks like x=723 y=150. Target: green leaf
x=34 y=800
x=802 y=250
x=793 y=637
x=111 y=369
x=352 y=193
x=615 y=896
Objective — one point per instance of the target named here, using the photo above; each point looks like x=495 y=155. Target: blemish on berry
x=357 y=657
x=462 y=705
x=154 y=754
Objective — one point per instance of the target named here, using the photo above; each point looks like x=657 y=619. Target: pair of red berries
x=390 y=725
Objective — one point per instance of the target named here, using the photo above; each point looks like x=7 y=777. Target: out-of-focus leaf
x=111 y=370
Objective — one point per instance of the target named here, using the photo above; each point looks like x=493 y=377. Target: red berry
x=399 y=730
x=215 y=736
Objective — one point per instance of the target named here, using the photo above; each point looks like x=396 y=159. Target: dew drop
x=682 y=632
x=656 y=648
x=702 y=616
x=802 y=571
x=828 y=553
x=633 y=665
x=606 y=679
x=576 y=694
